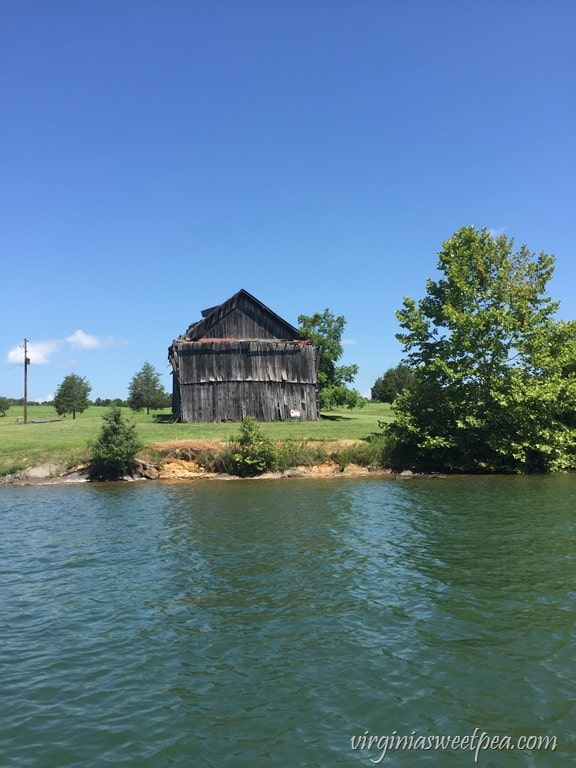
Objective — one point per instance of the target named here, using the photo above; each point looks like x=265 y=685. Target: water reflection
x=251 y=623
x=413 y=603
x=477 y=577
x=262 y=612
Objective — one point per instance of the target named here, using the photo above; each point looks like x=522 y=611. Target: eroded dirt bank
x=172 y=466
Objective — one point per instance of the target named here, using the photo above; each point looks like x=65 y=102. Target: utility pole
x=26 y=364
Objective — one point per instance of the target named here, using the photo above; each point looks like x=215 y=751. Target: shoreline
x=177 y=461
x=182 y=471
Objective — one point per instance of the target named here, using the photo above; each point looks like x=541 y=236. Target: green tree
x=112 y=454
x=392 y=383
x=5 y=404
x=146 y=391
x=256 y=453
x=325 y=331
x=72 y=395
x=493 y=389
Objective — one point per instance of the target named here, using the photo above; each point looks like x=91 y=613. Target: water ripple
x=249 y=624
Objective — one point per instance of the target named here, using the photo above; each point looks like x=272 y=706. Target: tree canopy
x=146 y=391
x=393 y=381
x=495 y=386
x=72 y=395
x=325 y=331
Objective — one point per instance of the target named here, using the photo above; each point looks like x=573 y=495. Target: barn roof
x=245 y=302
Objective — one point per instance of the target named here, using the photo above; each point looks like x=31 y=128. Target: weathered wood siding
x=257 y=360
x=241 y=318
x=232 y=401
x=227 y=380
x=241 y=359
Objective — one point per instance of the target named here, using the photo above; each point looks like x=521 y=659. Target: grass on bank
x=50 y=439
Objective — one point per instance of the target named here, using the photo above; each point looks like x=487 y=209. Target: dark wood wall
x=241 y=318
x=227 y=380
x=233 y=400
x=256 y=360
x=241 y=359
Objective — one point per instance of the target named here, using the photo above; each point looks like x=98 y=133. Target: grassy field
x=48 y=438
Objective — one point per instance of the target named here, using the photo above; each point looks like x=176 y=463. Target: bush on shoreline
x=254 y=453
x=114 y=451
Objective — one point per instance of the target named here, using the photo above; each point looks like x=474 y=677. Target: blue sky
x=159 y=155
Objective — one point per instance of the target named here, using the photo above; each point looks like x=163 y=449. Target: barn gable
x=241 y=316
x=242 y=359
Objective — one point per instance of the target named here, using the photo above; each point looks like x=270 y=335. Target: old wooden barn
x=241 y=359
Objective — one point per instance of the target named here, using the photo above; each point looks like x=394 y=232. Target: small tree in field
x=146 y=391
x=4 y=405
x=72 y=395
x=325 y=331
x=114 y=451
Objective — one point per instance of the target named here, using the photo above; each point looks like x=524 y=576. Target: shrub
x=340 y=396
x=113 y=453
x=255 y=452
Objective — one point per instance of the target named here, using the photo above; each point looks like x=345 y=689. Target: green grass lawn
x=48 y=438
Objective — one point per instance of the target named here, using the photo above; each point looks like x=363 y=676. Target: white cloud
x=39 y=352
x=348 y=342
x=81 y=340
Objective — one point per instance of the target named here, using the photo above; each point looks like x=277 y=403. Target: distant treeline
x=99 y=401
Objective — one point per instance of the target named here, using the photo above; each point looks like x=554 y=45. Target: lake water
x=285 y=623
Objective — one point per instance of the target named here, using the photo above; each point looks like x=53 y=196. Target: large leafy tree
x=495 y=385
x=5 y=404
x=72 y=395
x=146 y=391
x=325 y=331
x=392 y=382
